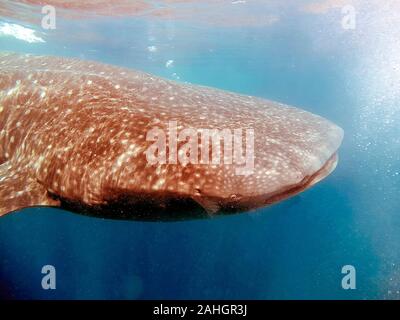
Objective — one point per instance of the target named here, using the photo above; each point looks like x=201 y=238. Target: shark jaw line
x=172 y=207
x=256 y=202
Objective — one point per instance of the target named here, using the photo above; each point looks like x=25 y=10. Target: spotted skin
x=73 y=134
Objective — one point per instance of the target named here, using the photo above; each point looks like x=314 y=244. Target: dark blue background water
x=295 y=249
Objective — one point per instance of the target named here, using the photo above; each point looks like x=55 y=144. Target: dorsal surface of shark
x=75 y=134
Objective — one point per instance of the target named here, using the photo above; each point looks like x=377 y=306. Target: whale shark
x=74 y=134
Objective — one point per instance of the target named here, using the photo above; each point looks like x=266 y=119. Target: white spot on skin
x=11 y=91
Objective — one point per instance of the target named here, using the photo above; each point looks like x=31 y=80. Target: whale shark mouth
x=306 y=183
x=251 y=203
x=174 y=207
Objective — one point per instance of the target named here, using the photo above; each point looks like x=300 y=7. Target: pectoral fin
x=209 y=205
x=19 y=189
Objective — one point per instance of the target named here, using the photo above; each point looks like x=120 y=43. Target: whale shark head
x=111 y=142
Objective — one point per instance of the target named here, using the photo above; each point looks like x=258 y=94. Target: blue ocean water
x=293 y=250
